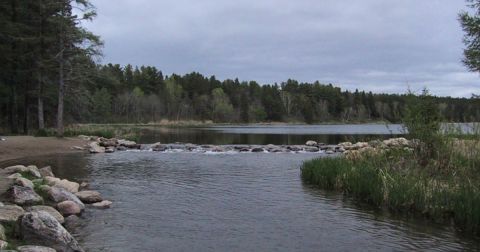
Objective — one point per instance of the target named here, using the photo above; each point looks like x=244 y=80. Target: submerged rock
x=10 y=213
x=23 y=196
x=102 y=205
x=41 y=228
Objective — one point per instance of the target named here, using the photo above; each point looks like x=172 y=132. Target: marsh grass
x=442 y=190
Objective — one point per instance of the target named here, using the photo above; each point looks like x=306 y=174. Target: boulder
x=329 y=152
x=31 y=248
x=42 y=229
x=128 y=144
x=63 y=183
x=68 y=208
x=311 y=143
x=159 y=147
x=52 y=211
x=104 y=142
x=83 y=185
x=10 y=213
x=311 y=149
x=397 y=142
x=46 y=172
x=15 y=176
x=23 y=196
x=258 y=149
x=15 y=169
x=57 y=194
x=33 y=170
x=71 y=222
x=96 y=148
x=294 y=148
x=3 y=245
x=110 y=149
x=24 y=182
x=89 y=197
x=121 y=148
x=102 y=205
x=51 y=180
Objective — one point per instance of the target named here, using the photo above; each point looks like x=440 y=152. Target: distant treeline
x=49 y=76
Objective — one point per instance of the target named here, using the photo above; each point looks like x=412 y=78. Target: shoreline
x=17 y=147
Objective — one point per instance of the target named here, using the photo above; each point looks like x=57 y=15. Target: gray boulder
x=42 y=229
x=52 y=211
x=57 y=194
x=89 y=197
x=102 y=205
x=68 y=208
x=24 y=182
x=23 y=196
x=46 y=172
x=96 y=148
x=311 y=143
x=3 y=245
x=10 y=213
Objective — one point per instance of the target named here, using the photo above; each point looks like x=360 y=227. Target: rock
x=15 y=176
x=44 y=189
x=42 y=229
x=96 y=148
x=46 y=172
x=51 y=180
x=159 y=147
x=358 y=146
x=121 y=148
x=258 y=149
x=102 y=205
x=341 y=150
x=3 y=236
x=329 y=152
x=31 y=248
x=71 y=222
x=89 y=197
x=397 y=142
x=78 y=148
x=31 y=170
x=3 y=245
x=104 y=142
x=83 y=185
x=57 y=194
x=109 y=149
x=311 y=149
x=24 y=182
x=68 y=208
x=23 y=196
x=10 y=213
x=311 y=143
x=67 y=185
x=52 y=211
x=15 y=169
x=128 y=144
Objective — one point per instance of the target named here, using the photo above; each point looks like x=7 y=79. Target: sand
x=16 y=147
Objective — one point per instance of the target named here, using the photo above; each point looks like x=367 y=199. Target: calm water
x=278 y=134
x=233 y=202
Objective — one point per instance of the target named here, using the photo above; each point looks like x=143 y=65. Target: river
x=234 y=202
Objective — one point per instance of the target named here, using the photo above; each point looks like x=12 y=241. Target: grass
x=446 y=188
x=128 y=132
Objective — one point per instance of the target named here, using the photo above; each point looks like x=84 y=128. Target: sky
x=372 y=45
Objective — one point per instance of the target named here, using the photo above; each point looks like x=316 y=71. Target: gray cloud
x=375 y=45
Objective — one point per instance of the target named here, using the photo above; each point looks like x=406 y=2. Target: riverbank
x=16 y=147
x=37 y=209
x=445 y=188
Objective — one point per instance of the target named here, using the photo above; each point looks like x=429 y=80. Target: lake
x=236 y=202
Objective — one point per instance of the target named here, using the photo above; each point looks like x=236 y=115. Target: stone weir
x=105 y=145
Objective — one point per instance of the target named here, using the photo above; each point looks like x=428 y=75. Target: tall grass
x=397 y=181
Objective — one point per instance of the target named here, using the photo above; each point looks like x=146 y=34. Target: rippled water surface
x=237 y=202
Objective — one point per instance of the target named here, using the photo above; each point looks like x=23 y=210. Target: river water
x=233 y=202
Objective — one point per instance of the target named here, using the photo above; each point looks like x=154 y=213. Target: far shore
x=15 y=147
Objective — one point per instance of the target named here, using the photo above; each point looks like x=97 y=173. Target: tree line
x=49 y=78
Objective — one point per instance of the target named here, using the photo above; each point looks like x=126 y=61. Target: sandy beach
x=26 y=146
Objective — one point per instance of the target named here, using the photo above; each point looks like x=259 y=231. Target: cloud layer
x=374 y=45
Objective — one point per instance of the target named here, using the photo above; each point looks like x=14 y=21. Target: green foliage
x=471 y=26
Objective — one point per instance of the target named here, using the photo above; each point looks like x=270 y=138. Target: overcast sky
x=373 y=45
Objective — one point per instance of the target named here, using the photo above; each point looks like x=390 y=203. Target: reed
x=442 y=190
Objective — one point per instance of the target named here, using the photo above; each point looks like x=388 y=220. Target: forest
x=51 y=77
